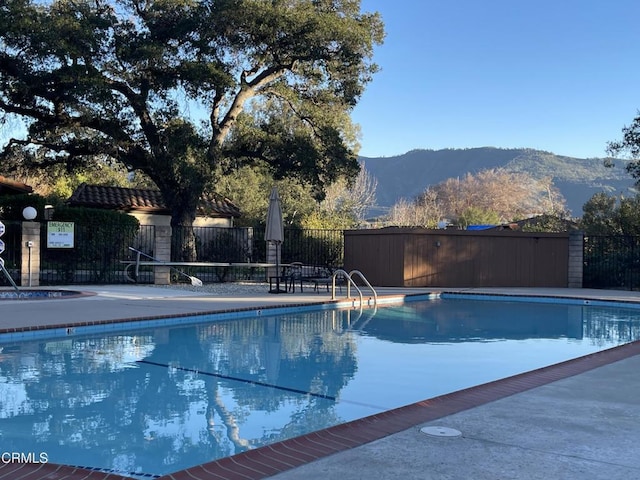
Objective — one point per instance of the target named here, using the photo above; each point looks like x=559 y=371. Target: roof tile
x=138 y=199
x=13 y=186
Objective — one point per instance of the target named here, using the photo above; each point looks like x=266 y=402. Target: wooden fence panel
x=458 y=258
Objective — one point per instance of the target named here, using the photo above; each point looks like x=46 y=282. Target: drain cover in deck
x=441 y=431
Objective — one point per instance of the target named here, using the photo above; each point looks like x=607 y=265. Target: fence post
x=576 y=261
x=30 y=246
x=162 y=249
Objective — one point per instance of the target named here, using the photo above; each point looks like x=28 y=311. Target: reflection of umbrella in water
x=272 y=349
x=274 y=231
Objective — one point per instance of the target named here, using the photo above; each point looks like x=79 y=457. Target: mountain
x=578 y=179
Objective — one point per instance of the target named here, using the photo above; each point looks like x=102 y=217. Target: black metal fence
x=246 y=244
x=96 y=254
x=12 y=255
x=99 y=251
x=218 y=244
x=322 y=248
x=612 y=262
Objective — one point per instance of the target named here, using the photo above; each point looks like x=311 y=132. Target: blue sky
x=556 y=75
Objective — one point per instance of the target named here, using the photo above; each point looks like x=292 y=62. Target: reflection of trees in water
x=611 y=325
x=89 y=399
x=473 y=320
x=302 y=353
x=297 y=353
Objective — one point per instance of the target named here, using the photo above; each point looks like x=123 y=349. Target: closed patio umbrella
x=274 y=232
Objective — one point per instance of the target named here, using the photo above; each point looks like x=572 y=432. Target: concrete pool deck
x=579 y=419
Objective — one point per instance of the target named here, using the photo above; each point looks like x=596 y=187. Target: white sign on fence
x=60 y=234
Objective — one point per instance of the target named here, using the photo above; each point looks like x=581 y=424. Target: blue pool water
x=159 y=400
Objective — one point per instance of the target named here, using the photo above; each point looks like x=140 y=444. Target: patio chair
x=294 y=275
x=319 y=276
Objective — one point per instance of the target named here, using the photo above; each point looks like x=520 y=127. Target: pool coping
x=124 y=321
x=272 y=459
x=68 y=328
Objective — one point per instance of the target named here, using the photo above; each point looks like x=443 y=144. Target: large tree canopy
x=188 y=90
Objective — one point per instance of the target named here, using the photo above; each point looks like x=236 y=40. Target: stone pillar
x=30 y=263
x=576 y=261
x=162 y=252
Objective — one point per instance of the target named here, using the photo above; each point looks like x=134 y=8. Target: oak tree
x=189 y=90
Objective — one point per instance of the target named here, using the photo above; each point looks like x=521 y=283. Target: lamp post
x=29 y=213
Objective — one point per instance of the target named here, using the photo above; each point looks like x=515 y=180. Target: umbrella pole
x=278 y=276
x=278 y=269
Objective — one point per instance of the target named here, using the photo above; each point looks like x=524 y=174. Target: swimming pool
x=160 y=400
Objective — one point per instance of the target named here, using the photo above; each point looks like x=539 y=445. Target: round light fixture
x=29 y=213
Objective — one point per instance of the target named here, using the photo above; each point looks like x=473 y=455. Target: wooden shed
x=414 y=257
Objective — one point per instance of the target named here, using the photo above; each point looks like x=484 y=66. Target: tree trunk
x=183 y=239
x=183 y=205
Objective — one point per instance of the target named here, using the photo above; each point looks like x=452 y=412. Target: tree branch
x=247 y=90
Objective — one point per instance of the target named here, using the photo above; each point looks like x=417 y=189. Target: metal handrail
x=348 y=277
x=349 y=283
x=361 y=275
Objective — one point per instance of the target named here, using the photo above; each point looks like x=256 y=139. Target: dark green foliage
x=101 y=239
x=549 y=223
x=187 y=92
x=11 y=206
x=609 y=215
x=94 y=216
x=629 y=146
x=612 y=243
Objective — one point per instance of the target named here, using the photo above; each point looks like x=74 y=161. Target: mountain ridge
x=578 y=179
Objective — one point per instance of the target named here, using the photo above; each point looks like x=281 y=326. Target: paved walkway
x=577 y=420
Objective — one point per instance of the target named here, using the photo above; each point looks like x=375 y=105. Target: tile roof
x=138 y=199
x=8 y=186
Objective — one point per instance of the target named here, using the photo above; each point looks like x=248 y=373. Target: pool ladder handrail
x=349 y=279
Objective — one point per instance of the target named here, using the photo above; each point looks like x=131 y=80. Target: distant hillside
x=408 y=175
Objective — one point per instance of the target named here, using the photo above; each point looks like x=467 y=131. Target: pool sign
x=60 y=234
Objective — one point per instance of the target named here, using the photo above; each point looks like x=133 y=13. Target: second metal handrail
x=361 y=275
